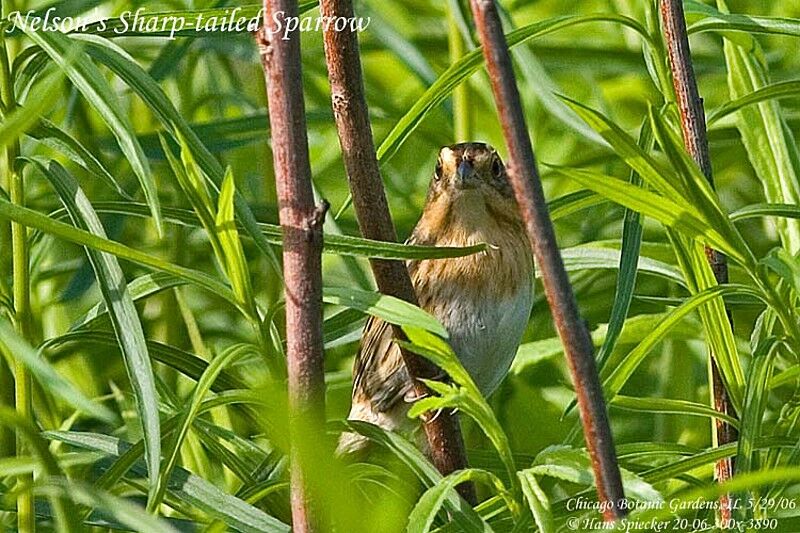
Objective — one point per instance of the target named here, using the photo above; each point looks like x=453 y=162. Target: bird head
x=470 y=168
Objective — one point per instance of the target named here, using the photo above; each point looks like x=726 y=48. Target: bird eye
x=437 y=174
x=497 y=168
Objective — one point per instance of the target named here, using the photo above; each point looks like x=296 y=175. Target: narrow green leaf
x=570 y=464
x=769 y=141
x=766 y=210
x=632 y=230
x=185 y=486
x=442 y=88
x=723 y=22
x=588 y=257
x=716 y=324
x=784 y=265
x=682 y=217
x=573 y=202
x=617 y=377
x=22 y=119
x=190 y=412
x=774 y=91
x=652 y=172
x=707 y=457
x=124 y=66
x=388 y=308
x=635 y=329
x=184 y=362
x=670 y=406
x=33 y=219
x=755 y=402
x=123 y=314
x=233 y=254
x=430 y=503
x=537 y=501
x=16 y=349
x=700 y=193
x=88 y=79
x=51 y=135
x=139 y=288
x=62 y=508
x=127 y=514
x=463 y=394
x=464 y=516
x=334 y=244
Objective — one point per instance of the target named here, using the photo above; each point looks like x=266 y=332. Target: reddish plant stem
x=571 y=328
x=446 y=445
x=301 y=222
x=693 y=125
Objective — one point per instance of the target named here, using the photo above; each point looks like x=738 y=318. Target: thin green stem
x=21 y=288
x=462 y=123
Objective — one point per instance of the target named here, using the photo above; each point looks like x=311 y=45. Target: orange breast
x=471 y=219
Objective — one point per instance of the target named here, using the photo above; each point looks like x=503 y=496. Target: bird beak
x=465 y=175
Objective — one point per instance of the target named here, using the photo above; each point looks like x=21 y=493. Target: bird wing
x=379 y=374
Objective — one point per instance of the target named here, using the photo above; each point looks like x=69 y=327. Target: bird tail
x=355 y=444
x=352 y=444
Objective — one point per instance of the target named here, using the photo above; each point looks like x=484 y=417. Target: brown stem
x=695 y=139
x=530 y=196
x=372 y=210
x=302 y=223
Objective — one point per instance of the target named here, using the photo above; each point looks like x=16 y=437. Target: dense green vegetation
x=150 y=331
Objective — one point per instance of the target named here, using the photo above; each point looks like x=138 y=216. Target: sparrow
x=484 y=300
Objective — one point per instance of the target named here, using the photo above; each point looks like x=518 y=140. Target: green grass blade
x=16 y=349
x=430 y=503
x=784 y=265
x=670 y=406
x=88 y=79
x=626 y=147
x=33 y=219
x=22 y=119
x=537 y=501
x=462 y=394
x=124 y=317
x=766 y=210
x=62 y=507
x=334 y=244
x=465 y=517
x=632 y=230
x=716 y=323
x=755 y=401
x=470 y=63
x=723 y=22
x=588 y=257
x=770 y=143
x=573 y=465
x=619 y=375
x=153 y=95
x=635 y=330
x=682 y=217
x=573 y=202
x=139 y=288
x=201 y=389
x=54 y=137
x=184 y=362
x=388 y=308
x=701 y=193
x=231 y=247
x=774 y=91
x=125 y=513
x=185 y=486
